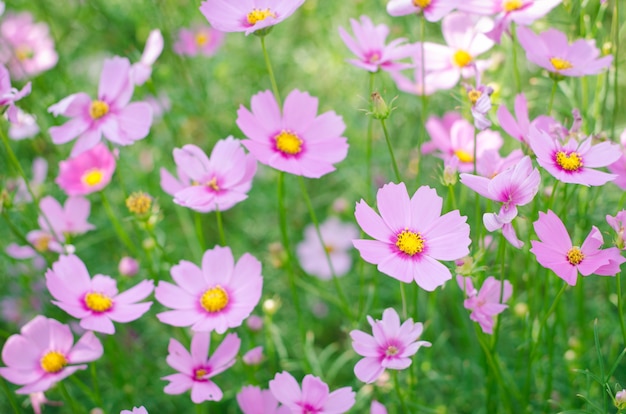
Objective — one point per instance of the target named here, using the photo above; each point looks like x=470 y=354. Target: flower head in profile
x=619 y=166
x=141 y=71
x=433 y=10
x=44 y=353
x=314 y=397
x=295 y=140
x=71 y=218
x=618 y=224
x=88 y=172
x=247 y=16
x=95 y=301
x=556 y=251
x=486 y=303
x=110 y=114
x=480 y=98
x=23 y=126
x=390 y=347
x=520 y=128
x=253 y=400
x=9 y=95
x=196 y=369
x=218 y=296
x=411 y=236
x=199 y=40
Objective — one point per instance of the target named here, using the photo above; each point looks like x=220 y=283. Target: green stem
x=620 y=304
x=396 y=383
x=199 y=233
x=220 y=226
x=501 y=259
x=616 y=89
x=68 y=397
x=518 y=82
x=393 y=158
x=554 y=85
x=121 y=234
x=368 y=148
x=423 y=98
x=495 y=368
x=403 y=297
x=10 y=396
x=268 y=64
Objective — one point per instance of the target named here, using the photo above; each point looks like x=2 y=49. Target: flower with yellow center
x=575 y=256
x=200 y=374
x=288 y=143
x=569 y=162
x=258 y=15
x=422 y=4
x=212 y=184
x=391 y=350
x=139 y=203
x=560 y=64
x=98 y=109
x=23 y=53
x=42 y=243
x=474 y=95
x=98 y=302
x=512 y=5
x=53 y=362
x=461 y=58
x=202 y=38
x=410 y=242
x=464 y=156
x=214 y=299
x=92 y=177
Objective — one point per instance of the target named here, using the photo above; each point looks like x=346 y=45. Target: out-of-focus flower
x=141 y=71
x=219 y=296
x=491 y=163
x=480 y=98
x=486 y=303
x=253 y=356
x=110 y=114
x=160 y=104
x=199 y=40
x=390 y=347
x=195 y=368
x=520 y=128
x=618 y=223
x=411 y=236
x=619 y=167
x=255 y=323
x=128 y=266
x=38 y=399
x=88 y=172
x=433 y=10
x=377 y=408
x=337 y=237
x=136 y=410
x=620 y=399
x=44 y=353
x=23 y=126
x=296 y=141
x=22 y=195
x=253 y=400
x=9 y=95
x=69 y=219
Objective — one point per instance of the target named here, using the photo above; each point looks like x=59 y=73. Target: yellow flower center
x=461 y=58
x=98 y=109
x=200 y=373
x=473 y=95
x=560 y=64
x=464 y=156
x=53 y=362
x=288 y=143
x=92 y=177
x=329 y=249
x=202 y=39
x=575 y=256
x=511 y=5
x=257 y=15
x=139 y=202
x=213 y=184
x=410 y=243
x=422 y=4
x=571 y=162
x=391 y=350
x=23 y=53
x=214 y=299
x=98 y=302
x=42 y=243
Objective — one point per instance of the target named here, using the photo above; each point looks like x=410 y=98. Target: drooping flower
x=390 y=347
x=110 y=114
x=9 y=95
x=573 y=161
x=23 y=126
x=141 y=71
x=220 y=295
x=253 y=400
x=551 y=50
x=433 y=10
x=44 y=353
x=218 y=182
x=136 y=410
x=337 y=237
x=296 y=141
x=480 y=98
x=88 y=172
x=411 y=235
x=486 y=303
x=195 y=368
x=619 y=167
x=199 y=40
x=95 y=301
x=249 y=16
x=618 y=223
x=520 y=128
x=314 y=397
x=556 y=251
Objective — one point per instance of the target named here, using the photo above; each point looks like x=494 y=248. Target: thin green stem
x=121 y=233
x=554 y=86
x=542 y=324
x=396 y=383
x=403 y=297
x=199 y=409
x=616 y=89
x=423 y=97
x=10 y=396
x=495 y=369
x=501 y=259
x=68 y=398
x=368 y=148
x=220 y=226
x=393 y=158
x=197 y=218
x=96 y=386
x=518 y=82
x=268 y=64
x=620 y=307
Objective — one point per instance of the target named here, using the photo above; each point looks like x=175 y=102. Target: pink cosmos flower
x=618 y=223
x=411 y=235
x=433 y=10
x=253 y=356
x=486 y=303
x=95 y=301
x=248 y=16
x=219 y=296
x=195 y=368
x=337 y=237
x=38 y=400
x=136 y=410
x=128 y=266
x=88 y=172
x=391 y=346
x=491 y=163
x=516 y=186
x=26 y=47
x=44 y=353
x=377 y=408
x=110 y=114
x=23 y=126
x=253 y=400
x=141 y=71
x=619 y=166
x=520 y=128
x=556 y=251
x=296 y=141
x=69 y=219
x=9 y=95
x=480 y=97
x=369 y=46
x=218 y=182
x=573 y=161
x=255 y=323
x=172 y=184
x=551 y=51
x=314 y=396
x=39 y=172
x=199 y=40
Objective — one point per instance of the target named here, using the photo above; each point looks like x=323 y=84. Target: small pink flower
x=128 y=266
x=481 y=105
x=23 y=126
x=199 y=40
x=314 y=396
x=88 y=172
x=22 y=195
x=136 y=410
x=520 y=128
x=141 y=71
x=110 y=114
x=44 y=353
x=556 y=251
x=390 y=347
x=253 y=356
x=69 y=219
x=433 y=10
x=95 y=301
x=486 y=303
x=253 y=400
x=618 y=223
x=619 y=167
x=9 y=95
x=38 y=400
x=377 y=408
x=218 y=296
x=296 y=141
x=195 y=368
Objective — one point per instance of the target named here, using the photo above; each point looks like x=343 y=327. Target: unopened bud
x=139 y=203
x=380 y=110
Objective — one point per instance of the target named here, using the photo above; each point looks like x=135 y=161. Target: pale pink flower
x=254 y=356
x=128 y=266
x=88 y=172
x=433 y=10
x=520 y=128
x=199 y=40
x=23 y=126
x=618 y=223
x=255 y=323
x=491 y=163
x=141 y=71
x=44 y=353
x=619 y=167
x=480 y=97
x=195 y=368
x=38 y=400
x=253 y=400
x=22 y=195
x=69 y=219
x=136 y=410
x=377 y=408
x=486 y=303
x=9 y=95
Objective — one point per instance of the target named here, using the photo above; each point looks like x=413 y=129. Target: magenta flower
x=433 y=10
x=253 y=400
x=520 y=128
x=390 y=347
x=218 y=182
x=574 y=162
x=141 y=71
x=44 y=353
x=486 y=303
x=619 y=166
x=411 y=235
x=556 y=251
x=551 y=51
x=88 y=172
x=247 y=16
x=297 y=141
x=314 y=396
x=9 y=95
x=369 y=46
x=23 y=126
x=110 y=114
x=199 y=40
x=136 y=410
x=219 y=296
x=95 y=301
x=618 y=223
x=195 y=368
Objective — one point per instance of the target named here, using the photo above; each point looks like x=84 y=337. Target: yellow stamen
x=98 y=302
x=23 y=53
x=461 y=58
x=464 y=156
x=42 y=243
x=391 y=350
x=569 y=162
x=329 y=248
x=213 y=184
x=200 y=373
x=422 y=4
x=473 y=95
x=409 y=242
x=511 y=5
x=53 y=362
x=92 y=177
x=202 y=39
x=257 y=15
x=214 y=299
x=139 y=202
x=575 y=256
x=98 y=109
x=288 y=143
x=560 y=64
